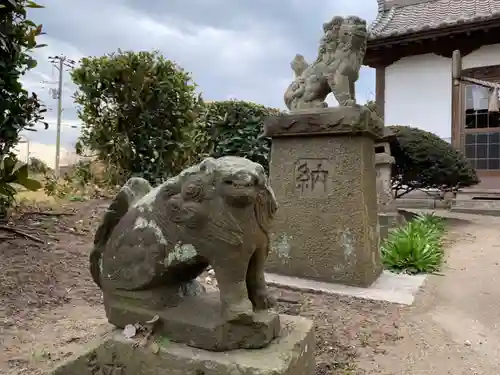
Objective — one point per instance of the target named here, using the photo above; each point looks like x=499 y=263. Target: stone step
x=477 y=206
x=476 y=211
x=485 y=204
x=465 y=194
x=428 y=203
x=414 y=203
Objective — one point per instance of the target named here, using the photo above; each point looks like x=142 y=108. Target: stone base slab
x=320 y=121
x=290 y=354
x=389 y=287
x=197 y=321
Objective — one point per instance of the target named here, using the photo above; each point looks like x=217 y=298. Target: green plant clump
x=416 y=247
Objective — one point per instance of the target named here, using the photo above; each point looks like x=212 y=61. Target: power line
x=59 y=62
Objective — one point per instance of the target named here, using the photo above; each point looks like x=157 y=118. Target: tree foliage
x=140 y=113
x=424 y=161
x=37 y=165
x=235 y=128
x=12 y=173
x=19 y=110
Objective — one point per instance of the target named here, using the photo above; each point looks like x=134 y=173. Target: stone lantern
x=388 y=216
x=383 y=168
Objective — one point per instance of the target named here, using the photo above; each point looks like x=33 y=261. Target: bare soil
x=50 y=308
x=48 y=300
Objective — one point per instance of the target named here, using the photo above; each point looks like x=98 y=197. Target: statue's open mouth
x=238 y=183
x=359 y=32
x=240 y=192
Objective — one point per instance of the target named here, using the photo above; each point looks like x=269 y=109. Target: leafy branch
x=19 y=110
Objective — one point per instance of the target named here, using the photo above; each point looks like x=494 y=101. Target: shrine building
x=417 y=84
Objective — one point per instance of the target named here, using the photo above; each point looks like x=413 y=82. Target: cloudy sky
x=233 y=48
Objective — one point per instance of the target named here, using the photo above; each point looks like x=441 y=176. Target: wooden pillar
x=380 y=90
x=456 y=102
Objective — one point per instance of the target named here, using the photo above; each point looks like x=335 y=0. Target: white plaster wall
x=418 y=89
x=484 y=56
x=418 y=93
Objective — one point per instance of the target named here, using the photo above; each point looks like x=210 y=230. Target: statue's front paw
x=263 y=301
x=319 y=105
x=241 y=312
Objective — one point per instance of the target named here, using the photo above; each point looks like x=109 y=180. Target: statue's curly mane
x=340 y=56
x=265 y=209
x=339 y=39
x=212 y=173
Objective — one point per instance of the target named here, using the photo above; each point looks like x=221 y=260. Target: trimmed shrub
x=38 y=166
x=235 y=128
x=424 y=161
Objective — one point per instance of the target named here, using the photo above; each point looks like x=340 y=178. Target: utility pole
x=27 y=151
x=59 y=62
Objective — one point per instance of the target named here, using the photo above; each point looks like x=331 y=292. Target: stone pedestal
x=322 y=171
x=291 y=354
x=196 y=321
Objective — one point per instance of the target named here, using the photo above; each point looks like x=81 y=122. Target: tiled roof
x=428 y=15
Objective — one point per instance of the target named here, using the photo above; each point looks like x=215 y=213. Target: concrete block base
x=198 y=322
x=292 y=353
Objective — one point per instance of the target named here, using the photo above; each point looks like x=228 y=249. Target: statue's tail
x=133 y=190
x=288 y=98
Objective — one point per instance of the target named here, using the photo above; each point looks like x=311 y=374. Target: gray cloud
x=234 y=49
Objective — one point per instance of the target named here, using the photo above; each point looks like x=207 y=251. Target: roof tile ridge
x=380 y=15
x=382 y=24
x=376 y=21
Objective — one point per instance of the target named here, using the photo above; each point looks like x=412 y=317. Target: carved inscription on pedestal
x=312 y=177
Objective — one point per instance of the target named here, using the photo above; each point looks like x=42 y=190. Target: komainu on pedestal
x=323 y=166
x=153 y=243
x=335 y=70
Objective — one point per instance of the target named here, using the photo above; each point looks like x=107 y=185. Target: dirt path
x=454 y=327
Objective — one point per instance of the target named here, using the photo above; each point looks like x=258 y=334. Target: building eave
x=456 y=28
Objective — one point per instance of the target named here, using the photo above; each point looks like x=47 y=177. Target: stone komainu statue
x=336 y=69
x=215 y=213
